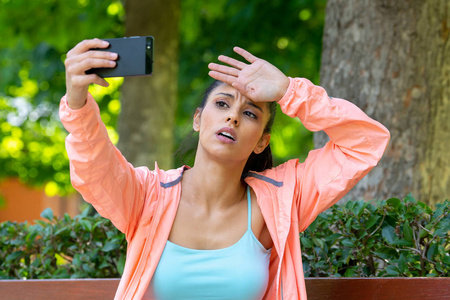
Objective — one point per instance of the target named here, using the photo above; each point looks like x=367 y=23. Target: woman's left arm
x=356 y=144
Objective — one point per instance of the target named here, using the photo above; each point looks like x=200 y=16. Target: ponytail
x=259 y=162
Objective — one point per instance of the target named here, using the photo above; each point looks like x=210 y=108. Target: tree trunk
x=392 y=59
x=146 y=123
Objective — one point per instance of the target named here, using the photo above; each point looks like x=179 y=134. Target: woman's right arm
x=98 y=170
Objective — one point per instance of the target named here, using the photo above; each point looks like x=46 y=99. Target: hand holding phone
x=135 y=57
x=79 y=59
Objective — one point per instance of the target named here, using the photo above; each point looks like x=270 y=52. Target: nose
x=233 y=118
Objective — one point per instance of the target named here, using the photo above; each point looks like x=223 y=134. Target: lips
x=226 y=135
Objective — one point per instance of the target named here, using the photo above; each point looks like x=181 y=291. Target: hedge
x=359 y=239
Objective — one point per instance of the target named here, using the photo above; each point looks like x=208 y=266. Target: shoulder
x=169 y=178
x=281 y=176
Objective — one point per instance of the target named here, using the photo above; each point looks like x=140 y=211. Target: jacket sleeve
x=356 y=144
x=116 y=189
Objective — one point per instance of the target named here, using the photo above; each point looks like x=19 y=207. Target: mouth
x=227 y=135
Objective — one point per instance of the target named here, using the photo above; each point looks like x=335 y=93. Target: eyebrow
x=248 y=102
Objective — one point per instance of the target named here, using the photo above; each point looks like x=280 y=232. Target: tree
x=146 y=123
x=392 y=59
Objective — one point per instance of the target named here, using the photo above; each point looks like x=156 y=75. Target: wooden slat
x=378 y=288
x=64 y=289
x=317 y=288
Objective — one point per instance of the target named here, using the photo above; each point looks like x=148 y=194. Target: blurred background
x=36 y=35
x=391 y=58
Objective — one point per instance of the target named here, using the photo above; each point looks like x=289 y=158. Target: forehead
x=229 y=91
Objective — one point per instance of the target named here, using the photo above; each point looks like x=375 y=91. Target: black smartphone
x=135 y=57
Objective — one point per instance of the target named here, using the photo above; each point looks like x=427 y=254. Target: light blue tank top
x=238 y=272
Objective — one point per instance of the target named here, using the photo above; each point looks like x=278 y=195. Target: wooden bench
x=317 y=288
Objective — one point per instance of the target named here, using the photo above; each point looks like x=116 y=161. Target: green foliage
x=391 y=238
x=83 y=247
x=359 y=239
x=35 y=37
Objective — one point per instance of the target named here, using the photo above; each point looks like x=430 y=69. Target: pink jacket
x=143 y=203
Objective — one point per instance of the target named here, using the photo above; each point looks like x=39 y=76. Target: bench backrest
x=317 y=288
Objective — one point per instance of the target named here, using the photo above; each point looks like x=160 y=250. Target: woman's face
x=231 y=126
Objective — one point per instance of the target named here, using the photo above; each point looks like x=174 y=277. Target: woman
x=216 y=231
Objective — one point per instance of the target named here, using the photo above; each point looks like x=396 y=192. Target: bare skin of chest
x=201 y=228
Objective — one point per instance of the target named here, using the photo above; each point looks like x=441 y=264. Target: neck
x=214 y=184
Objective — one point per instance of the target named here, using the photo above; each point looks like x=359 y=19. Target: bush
x=359 y=239
x=82 y=247
x=391 y=238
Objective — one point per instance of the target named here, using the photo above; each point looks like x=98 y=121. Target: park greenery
x=392 y=238
x=396 y=237
x=36 y=36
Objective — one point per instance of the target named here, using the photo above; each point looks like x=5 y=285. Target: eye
x=250 y=114
x=221 y=103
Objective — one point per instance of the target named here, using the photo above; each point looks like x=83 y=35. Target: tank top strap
x=249 y=201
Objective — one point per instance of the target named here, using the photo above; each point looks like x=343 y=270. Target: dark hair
x=255 y=162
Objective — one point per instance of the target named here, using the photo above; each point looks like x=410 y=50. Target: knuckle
x=69 y=69
x=76 y=81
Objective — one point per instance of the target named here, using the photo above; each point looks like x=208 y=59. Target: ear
x=262 y=143
x=196 y=123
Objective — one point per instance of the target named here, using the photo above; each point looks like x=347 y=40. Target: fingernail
x=105 y=43
x=113 y=55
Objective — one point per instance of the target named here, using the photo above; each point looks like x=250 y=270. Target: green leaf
x=86 y=224
x=446 y=260
x=306 y=242
x=422 y=233
x=431 y=251
x=359 y=207
x=350 y=272
x=372 y=221
x=410 y=198
x=348 y=225
x=318 y=242
x=388 y=233
x=47 y=214
x=332 y=238
x=394 y=202
x=392 y=270
x=401 y=242
x=347 y=242
x=109 y=246
x=402 y=264
x=386 y=253
x=408 y=232
x=13 y=256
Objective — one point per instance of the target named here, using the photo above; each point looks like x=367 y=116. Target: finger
x=240 y=87
x=89 y=63
x=90 y=54
x=223 y=69
x=245 y=54
x=232 y=62
x=222 y=77
x=87 y=45
x=84 y=80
